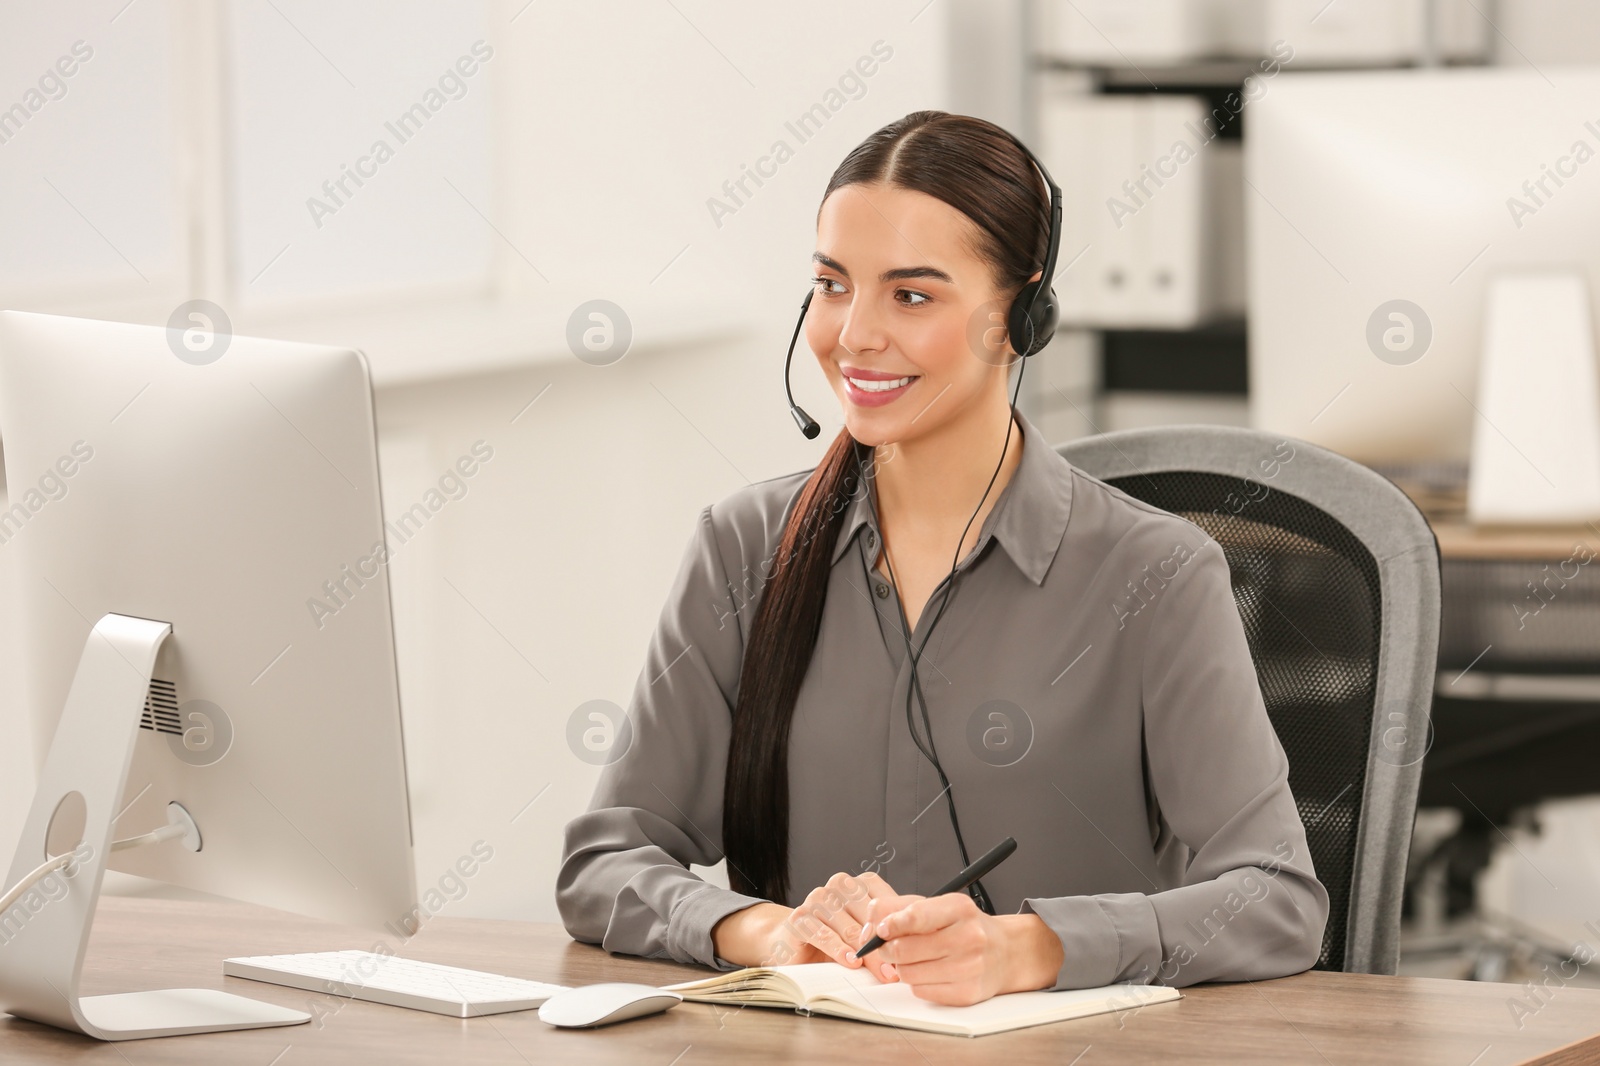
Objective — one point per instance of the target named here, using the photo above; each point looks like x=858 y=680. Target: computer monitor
x=226 y=487
x=1371 y=188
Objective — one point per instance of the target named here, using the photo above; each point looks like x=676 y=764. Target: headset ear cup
x=1019 y=327
x=1045 y=316
x=1029 y=333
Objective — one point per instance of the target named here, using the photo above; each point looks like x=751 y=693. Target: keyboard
x=395 y=981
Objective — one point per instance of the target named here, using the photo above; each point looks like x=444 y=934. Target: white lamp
x=1536 y=434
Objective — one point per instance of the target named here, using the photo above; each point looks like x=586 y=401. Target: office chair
x=1336 y=577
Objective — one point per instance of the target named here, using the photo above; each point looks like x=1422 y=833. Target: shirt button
x=872 y=539
x=883 y=591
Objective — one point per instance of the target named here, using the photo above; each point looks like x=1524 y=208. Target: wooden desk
x=1520 y=606
x=1446 y=511
x=1460 y=540
x=1317 y=1018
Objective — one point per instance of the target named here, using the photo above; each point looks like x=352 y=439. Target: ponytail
x=755 y=804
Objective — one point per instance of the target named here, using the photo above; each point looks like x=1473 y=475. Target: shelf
x=1211 y=359
x=1225 y=72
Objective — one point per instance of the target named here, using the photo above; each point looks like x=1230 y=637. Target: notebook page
x=895 y=1003
x=809 y=980
x=819 y=978
x=858 y=994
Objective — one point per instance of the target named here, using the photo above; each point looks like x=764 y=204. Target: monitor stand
x=44 y=939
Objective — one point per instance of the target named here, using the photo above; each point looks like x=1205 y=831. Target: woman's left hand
x=951 y=952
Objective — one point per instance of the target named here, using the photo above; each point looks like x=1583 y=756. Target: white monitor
x=1369 y=188
x=225 y=489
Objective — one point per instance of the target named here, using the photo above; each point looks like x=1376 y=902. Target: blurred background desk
x=1516 y=723
x=1309 y=1018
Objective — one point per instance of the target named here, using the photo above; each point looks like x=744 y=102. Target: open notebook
x=829 y=988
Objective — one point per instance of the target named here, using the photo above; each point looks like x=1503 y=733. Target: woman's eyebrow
x=897 y=274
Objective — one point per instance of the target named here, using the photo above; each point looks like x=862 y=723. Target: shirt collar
x=1029 y=520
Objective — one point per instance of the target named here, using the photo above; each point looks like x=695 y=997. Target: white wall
x=538 y=591
x=1546 y=32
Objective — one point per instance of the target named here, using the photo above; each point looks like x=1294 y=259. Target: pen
x=997 y=855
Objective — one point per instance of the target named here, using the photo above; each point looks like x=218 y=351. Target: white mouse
x=590 y=1005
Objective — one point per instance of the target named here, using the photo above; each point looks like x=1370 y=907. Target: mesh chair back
x=1336 y=577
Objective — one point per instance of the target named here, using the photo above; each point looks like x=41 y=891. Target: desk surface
x=1446 y=511
x=1318 y=1018
x=1459 y=539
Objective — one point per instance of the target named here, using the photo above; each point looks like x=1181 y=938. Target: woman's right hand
x=829 y=924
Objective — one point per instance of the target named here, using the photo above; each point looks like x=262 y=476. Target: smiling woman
x=805 y=738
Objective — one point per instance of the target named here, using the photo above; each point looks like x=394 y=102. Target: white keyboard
x=395 y=981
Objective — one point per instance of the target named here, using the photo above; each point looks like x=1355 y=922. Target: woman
x=1082 y=679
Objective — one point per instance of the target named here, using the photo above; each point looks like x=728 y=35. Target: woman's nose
x=864 y=329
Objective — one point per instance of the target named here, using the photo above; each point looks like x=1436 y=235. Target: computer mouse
x=591 y=1005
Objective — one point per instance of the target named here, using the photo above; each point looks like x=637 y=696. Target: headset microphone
x=807 y=424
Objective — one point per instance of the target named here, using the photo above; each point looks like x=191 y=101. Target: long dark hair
x=975 y=167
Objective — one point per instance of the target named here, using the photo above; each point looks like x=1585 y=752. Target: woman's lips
x=874 y=388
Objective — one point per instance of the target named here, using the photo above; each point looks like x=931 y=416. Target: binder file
x=1135 y=177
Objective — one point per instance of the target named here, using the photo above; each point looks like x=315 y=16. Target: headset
x=1031 y=319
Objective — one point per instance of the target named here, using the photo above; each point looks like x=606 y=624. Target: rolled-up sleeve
x=1249 y=905
x=625 y=881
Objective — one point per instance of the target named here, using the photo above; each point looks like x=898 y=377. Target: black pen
x=997 y=855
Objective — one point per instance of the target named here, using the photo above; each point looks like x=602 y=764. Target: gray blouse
x=1091 y=694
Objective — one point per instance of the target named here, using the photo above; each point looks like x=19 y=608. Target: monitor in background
x=1373 y=195
x=176 y=514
